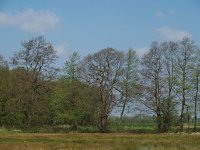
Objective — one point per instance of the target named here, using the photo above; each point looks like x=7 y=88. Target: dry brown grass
x=85 y=141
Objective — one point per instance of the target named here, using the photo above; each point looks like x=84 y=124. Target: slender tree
x=184 y=58
x=129 y=81
x=151 y=76
x=71 y=66
x=196 y=82
x=168 y=108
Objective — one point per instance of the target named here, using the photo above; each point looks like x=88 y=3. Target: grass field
x=86 y=141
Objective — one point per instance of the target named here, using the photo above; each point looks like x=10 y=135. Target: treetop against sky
x=90 y=25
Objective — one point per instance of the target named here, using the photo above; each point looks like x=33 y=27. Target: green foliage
x=136 y=124
x=73 y=103
x=71 y=66
x=33 y=98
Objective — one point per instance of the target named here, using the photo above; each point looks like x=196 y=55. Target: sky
x=87 y=26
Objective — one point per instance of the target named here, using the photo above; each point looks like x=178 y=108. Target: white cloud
x=30 y=20
x=160 y=15
x=141 y=51
x=61 y=50
x=172 y=34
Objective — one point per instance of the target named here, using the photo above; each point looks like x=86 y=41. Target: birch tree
x=129 y=80
x=184 y=57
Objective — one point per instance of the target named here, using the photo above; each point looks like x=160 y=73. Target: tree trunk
x=181 y=116
x=103 y=117
x=183 y=96
x=195 y=104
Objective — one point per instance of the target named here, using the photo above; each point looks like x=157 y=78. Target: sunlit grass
x=95 y=141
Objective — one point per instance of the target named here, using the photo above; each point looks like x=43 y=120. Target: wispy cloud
x=61 y=50
x=160 y=15
x=165 y=14
x=30 y=20
x=172 y=34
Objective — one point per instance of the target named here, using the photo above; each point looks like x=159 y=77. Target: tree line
x=35 y=92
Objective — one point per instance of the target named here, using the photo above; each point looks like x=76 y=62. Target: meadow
x=97 y=141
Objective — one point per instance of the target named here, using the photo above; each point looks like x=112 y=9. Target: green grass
x=97 y=141
x=7 y=131
x=135 y=127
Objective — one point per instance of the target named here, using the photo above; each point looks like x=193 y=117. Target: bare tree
x=196 y=78
x=103 y=70
x=168 y=106
x=184 y=57
x=35 y=64
x=151 y=81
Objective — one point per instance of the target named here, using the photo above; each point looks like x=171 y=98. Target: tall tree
x=128 y=82
x=168 y=106
x=151 y=75
x=184 y=57
x=36 y=60
x=196 y=82
x=103 y=70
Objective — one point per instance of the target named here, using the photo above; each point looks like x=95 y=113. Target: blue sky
x=87 y=26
